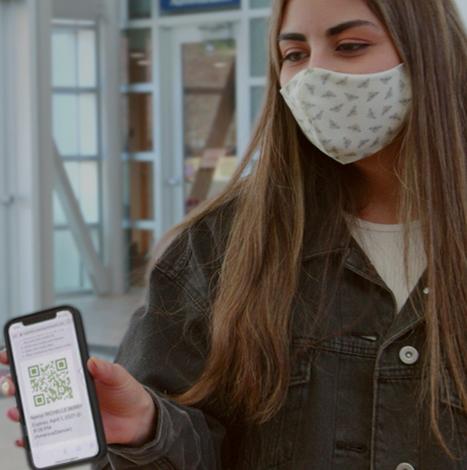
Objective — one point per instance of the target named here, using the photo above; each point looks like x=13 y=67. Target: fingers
x=107 y=372
x=19 y=442
x=7 y=387
x=13 y=414
x=3 y=357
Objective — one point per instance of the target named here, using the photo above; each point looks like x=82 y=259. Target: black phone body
x=55 y=394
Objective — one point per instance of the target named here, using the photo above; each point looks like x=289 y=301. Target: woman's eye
x=293 y=56
x=351 y=47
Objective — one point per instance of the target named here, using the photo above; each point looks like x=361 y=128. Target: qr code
x=50 y=382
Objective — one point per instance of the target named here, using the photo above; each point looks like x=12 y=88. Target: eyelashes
x=349 y=48
x=288 y=57
x=352 y=47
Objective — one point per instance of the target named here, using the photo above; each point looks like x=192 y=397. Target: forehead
x=314 y=17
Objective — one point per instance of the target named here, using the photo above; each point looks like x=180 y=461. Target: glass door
x=205 y=94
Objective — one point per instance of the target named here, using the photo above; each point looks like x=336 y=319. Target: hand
x=128 y=412
x=8 y=389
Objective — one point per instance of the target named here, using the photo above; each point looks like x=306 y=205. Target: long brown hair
x=251 y=313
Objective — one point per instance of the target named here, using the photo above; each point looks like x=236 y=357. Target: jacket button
x=405 y=466
x=408 y=355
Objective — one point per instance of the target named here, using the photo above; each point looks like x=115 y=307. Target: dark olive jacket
x=352 y=398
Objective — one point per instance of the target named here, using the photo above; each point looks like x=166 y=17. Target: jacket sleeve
x=164 y=348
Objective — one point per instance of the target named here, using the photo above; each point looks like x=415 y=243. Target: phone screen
x=52 y=386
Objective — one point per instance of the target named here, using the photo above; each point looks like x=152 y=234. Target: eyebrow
x=347 y=25
x=291 y=37
x=335 y=30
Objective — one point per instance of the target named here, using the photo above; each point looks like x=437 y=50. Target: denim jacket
x=352 y=397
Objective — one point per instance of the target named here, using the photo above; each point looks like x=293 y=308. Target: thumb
x=107 y=372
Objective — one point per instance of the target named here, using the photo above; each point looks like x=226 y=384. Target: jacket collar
x=356 y=260
x=315 y=246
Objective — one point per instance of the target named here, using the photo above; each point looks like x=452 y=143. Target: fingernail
x=96 y=363
x=5 y=386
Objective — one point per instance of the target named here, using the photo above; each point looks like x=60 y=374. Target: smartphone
x=55 y=393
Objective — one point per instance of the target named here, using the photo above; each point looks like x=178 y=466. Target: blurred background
x=117 y=117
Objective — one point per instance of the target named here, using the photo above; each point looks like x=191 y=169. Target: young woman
x=313 y=315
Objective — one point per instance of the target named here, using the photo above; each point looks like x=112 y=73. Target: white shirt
x=384 y=246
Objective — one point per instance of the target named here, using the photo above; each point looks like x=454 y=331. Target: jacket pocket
x=271 y=445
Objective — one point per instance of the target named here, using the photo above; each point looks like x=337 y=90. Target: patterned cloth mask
x=349 y=116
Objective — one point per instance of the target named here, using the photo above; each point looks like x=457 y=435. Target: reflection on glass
x=138 y=190
x=69 y=271
x=75 y=123
x=66 y=261
x=85 y=279
x=74 y=57
x=83 y=177
x=258 y=44
x=63 y=58
x=138 y=9
x=139 y=244
x=88 y=124
x=59 y=216
x=136 y=56
x=86 y=58
x=260 y=3
x=209 y=117
x=65 y=112
x=137 y=122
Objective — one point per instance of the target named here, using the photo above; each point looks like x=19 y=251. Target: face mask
x=349 y=116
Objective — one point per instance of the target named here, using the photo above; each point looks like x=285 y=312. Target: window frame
x=75 y=26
